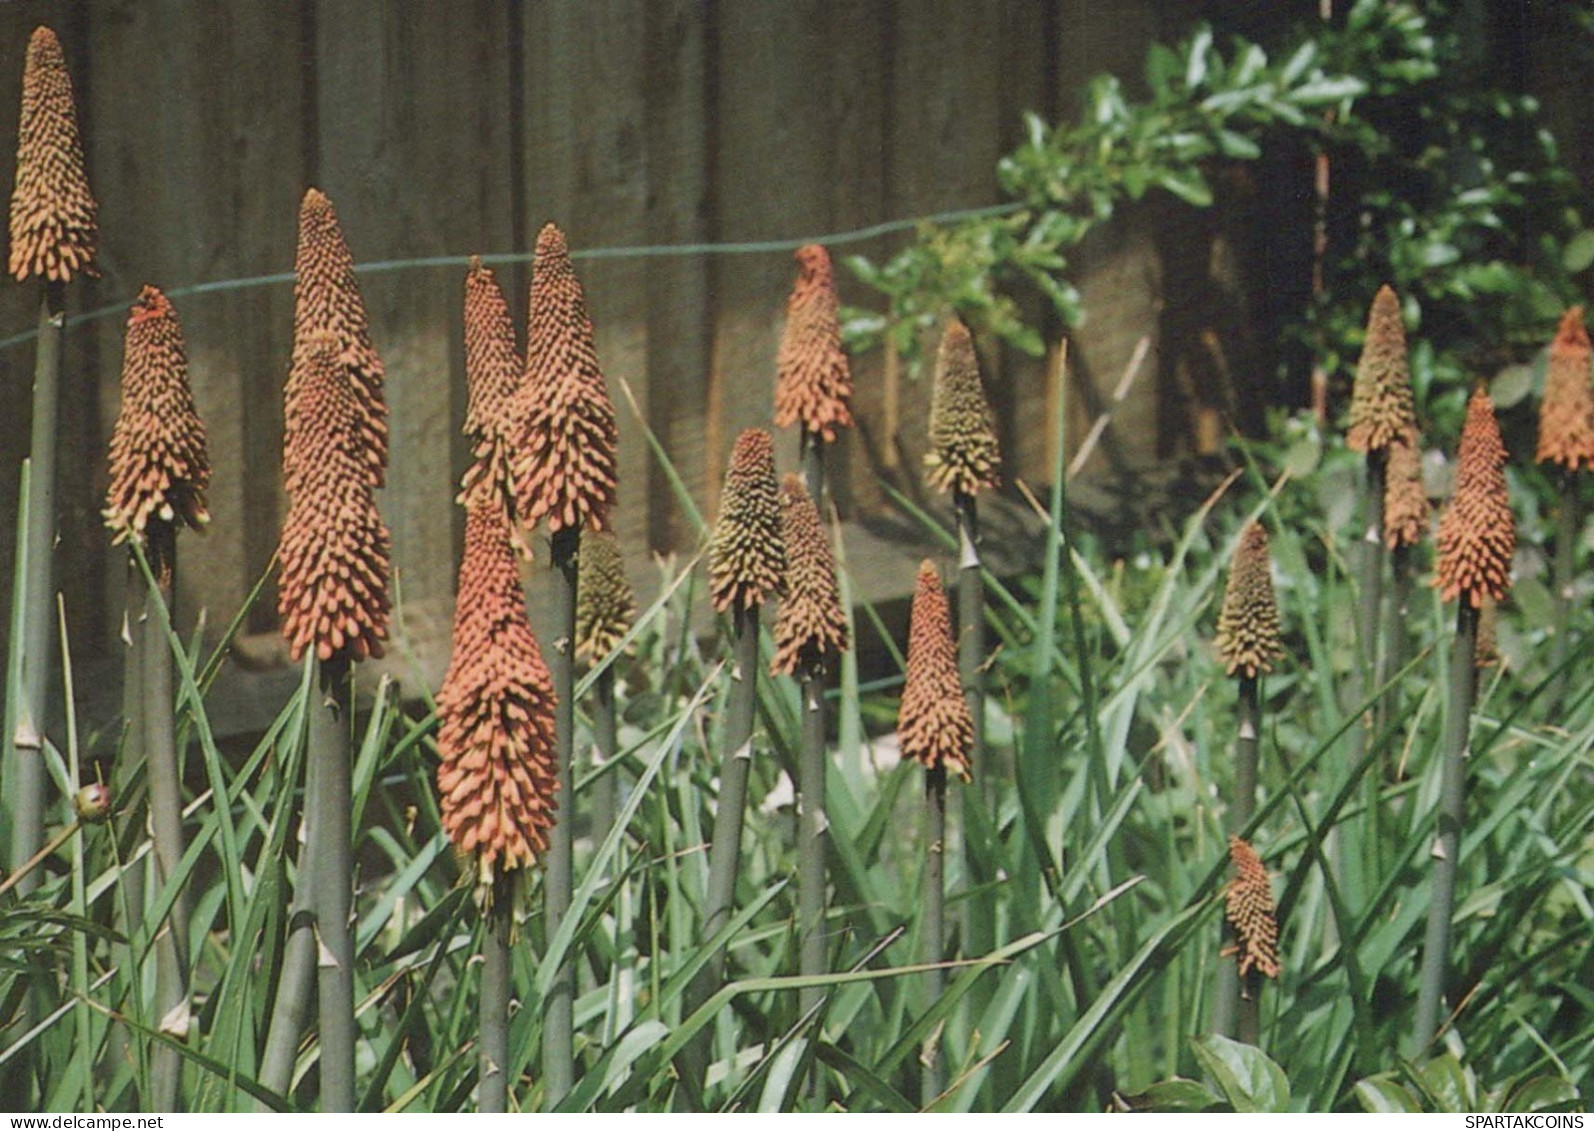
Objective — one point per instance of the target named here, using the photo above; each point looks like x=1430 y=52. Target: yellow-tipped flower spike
x=1381 y=409
x=811 y=627
x=326 y=300
x=964 y=455
x=334 y=553
x=747 y=552
x=565 y=463
x=492 y=381
x=813 y=381
x=933 y=724
x=159 y=467
x=1248 y=905
x=605 y=601
x=1477 y=535
x=1566 y=415
x=1248 y=625
x=1406 y=509
x=53 y=229
x=498 y=780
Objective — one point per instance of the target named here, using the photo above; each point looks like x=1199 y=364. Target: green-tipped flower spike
x=813 y=382
x=964 y=455
x=565 y=462
x=605 y=601
x=811 y=628
x=1248 y=625
x=1248 y=904
x=1566 y=415
x=1477 y=535
x=53 y=228
x=159 y=466
x=933 y=724
x=1381 y=409
x=1406 y=509
x=747 y=553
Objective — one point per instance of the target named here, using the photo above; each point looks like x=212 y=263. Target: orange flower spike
x=605 y=601
x=326 y=299
x=1248 y=905
x=1406 y=509
x=811 y=628
x=53 y=226
x=964 y=455
x=1381 y=407
x=1566 y=415
x=159 y=465
x=565 y=462
x=1248 y=625
x=934 y=726
x=813 y=381
x=498 y=779
x=1477 y=535
x=747 y=551
x=492 y=378
x=334 y=552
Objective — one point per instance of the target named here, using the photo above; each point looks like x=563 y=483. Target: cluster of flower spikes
x=334 y=554
x=159 y=466
x=1381 y=407
x=498 y=778
x=813 y=382
x=964 y=455
x=326 y=300
x=933 y=723
x=565 y=460
x=1406 y=507
x=1248 y=624
x=1248 y=905
x=811 y=627
x=605 y=601
x=492 y=379
x=1566 y=415
x=1477 y=535
x=53 y=229
x=747 y=551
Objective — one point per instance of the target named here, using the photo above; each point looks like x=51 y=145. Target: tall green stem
x=1568 y=522
x=606 y=732
x=971 y=633
x=27 y=791
x=558 y=1035
x=812 y=819
x=934 y=934
x=492 y=1051
x=1235 y=1004
x=333 y=877
x=1447 y=834
x=296 y=982
x=166 y=821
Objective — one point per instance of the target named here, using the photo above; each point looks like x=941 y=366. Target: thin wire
x=646 y=251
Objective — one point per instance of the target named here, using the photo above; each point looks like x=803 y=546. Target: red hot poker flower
x=565 y=463
x=811 y=628
x=492 y=378
x=159 y=466
x=53 y=227
x=747 y=553
x=933 y=724
x=1477 y=535
x=1566 y=415
x=813 y=381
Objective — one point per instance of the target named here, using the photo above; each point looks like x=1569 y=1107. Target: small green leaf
x=1328 y=88
x=1540 y=1093
x=1380 y=1095
x=1511 y=385
x=1248 y=1077
x=1177 y=1094
x=1579 y=251
x=1188 y=185
x=1195 y=68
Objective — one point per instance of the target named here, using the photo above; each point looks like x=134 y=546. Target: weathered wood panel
x=412 y=120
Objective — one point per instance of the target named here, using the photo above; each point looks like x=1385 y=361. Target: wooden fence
x=440 y=129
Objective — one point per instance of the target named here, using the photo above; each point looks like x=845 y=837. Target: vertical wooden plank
x=586 y=170
x=413 y=128
x=677 y=73
x=195 y=117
